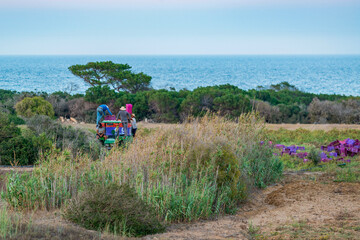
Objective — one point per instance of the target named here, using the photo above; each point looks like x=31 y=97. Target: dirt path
x=305 y=206
x=325 y=127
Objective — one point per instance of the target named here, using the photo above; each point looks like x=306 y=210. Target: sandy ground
x=305 y=200
x=325 y=127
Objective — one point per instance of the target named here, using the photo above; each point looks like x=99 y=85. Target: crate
x=110 y=131
x=110 y=117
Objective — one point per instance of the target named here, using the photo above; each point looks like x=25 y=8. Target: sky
x=169 y=27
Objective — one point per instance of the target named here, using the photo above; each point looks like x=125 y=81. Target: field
x=325 y=127
x=319 y=203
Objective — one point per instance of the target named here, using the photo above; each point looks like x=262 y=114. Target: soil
x=325 y=127
x=301 y=206
x=289 y=210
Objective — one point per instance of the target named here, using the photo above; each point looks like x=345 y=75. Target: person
x=133 y=125
x=100 y=133
x=124 y=116
x=101 y=112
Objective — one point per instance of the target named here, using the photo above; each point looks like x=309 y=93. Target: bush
x=18 y=151
x=65 y=137
x=314 y=156
x=262 y=166
x=334 y=112
x=16 y=120
x=164 y=105
x=29 y=107
x=60 y=104
x=82 y=110
x=113 y=208
x=14 y=148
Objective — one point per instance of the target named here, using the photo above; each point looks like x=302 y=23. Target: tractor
x=111 y=131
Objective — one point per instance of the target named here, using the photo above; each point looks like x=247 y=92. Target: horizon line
x=195 y=54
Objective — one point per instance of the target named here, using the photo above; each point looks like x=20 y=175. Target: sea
x=338 y=74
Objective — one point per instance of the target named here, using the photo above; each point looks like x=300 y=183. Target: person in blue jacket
x=101 y=111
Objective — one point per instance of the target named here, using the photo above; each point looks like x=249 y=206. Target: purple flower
x=334 y=154
x=350 y=141
x=279 y=146
x=330 y=148
x=323 y=155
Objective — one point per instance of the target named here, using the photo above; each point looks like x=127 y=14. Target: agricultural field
x=295 y=182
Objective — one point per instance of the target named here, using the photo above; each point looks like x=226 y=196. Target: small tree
x=29 y=107
x=119 y=76
x=130 y=82
x=98 y=73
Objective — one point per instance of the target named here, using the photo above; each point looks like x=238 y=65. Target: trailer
x=112 y=131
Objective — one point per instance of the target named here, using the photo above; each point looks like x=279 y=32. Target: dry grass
x=325 y=127
x=311 y=127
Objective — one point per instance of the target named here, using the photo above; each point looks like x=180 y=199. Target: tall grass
x=10 y=224
x=195 y=170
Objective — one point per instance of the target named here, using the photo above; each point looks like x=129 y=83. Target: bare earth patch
x=325 y=127
x=304 y=206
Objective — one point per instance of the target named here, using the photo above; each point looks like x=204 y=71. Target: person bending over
x=101 y=112
x=125 y=117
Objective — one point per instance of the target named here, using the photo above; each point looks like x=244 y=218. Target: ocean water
x=317 y=74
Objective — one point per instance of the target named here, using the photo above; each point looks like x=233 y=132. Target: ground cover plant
x=122 y=211
x=335 y=152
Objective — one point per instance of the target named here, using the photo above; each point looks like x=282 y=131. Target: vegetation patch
x=114 y=208
x=29 y=107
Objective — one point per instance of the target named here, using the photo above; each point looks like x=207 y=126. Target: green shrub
x=65 y=137
x=314 y=156
x=18 y=151
x=113 y=208
x=7 y=129
x=262 y=166
x=14 y=148
x=29 y=107
x=16 y=120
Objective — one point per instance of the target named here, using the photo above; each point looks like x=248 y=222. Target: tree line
x=116 y=84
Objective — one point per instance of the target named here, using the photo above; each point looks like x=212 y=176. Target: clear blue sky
x=179 y=27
